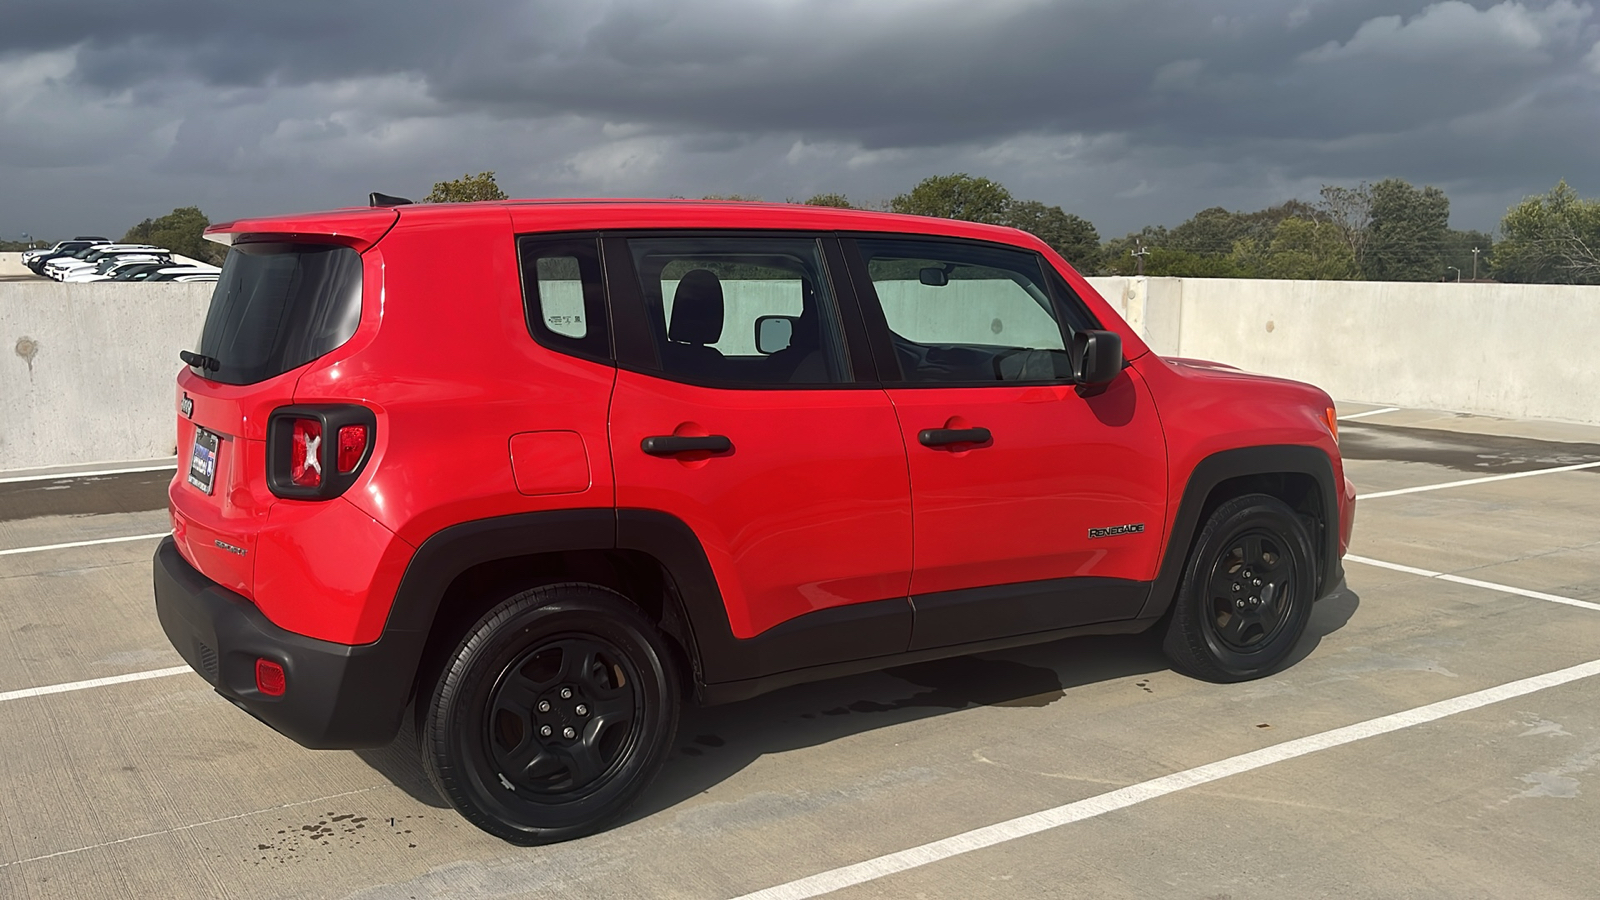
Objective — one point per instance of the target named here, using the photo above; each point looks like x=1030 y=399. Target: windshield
x=278 y=306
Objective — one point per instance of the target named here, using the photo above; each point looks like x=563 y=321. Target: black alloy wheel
x=553 y=715
x=1247 y=592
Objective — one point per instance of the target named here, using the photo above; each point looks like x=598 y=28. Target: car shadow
x=715 y=743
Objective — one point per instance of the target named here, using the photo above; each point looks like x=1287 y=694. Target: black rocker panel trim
x=734 y=691
x=950 y=618
x=1268 y=459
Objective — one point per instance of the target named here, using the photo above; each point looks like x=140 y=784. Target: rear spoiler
x=358 y=229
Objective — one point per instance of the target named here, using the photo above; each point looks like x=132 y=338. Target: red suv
x=542 y=471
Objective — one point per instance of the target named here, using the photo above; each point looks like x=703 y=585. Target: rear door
x=787 y=466
x=1035 y=508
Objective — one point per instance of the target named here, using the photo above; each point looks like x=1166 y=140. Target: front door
x=752 y=430
x=1034 y=508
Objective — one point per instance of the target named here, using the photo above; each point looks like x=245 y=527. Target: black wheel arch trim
x=1240 y=462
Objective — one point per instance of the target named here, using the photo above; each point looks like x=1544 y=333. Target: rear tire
x=553 y=715
x=1246 y=594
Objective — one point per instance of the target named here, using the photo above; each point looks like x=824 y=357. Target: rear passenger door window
x=727 y=310
x=564 y=295
x=966 y=313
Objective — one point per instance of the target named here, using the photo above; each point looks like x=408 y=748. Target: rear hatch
x=285 y=297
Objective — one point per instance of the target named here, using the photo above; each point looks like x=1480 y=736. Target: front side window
x=966 y=313
x=737 y=310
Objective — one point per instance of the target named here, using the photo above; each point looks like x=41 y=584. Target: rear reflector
x=352 y=443
x=305 y=453
x=269 y=678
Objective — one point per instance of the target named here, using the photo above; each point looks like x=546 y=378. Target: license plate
x=203 y=462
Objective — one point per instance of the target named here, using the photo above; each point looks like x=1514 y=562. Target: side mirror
x=1097 y=360
x=774 y=333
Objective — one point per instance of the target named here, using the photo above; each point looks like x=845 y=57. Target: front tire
x=553 y=715
x=1246 y=594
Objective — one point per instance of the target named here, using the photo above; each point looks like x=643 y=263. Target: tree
x=1071 y=236
x=958 y=196
x=838 y=201
x=181 y=231
x=1406 y=238
x=1300 y=249
x=466 y=189
x=1458 y=247
x=1551 y=238
x=1350 y=211
x=1215 y=231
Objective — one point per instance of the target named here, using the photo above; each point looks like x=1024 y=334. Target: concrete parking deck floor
x=159 y=788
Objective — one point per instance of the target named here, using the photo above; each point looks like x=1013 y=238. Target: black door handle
x=672 y=444
x=944 y=437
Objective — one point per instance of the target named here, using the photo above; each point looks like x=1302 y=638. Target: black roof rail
x=377 y=199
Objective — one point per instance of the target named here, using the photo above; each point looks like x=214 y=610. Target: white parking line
x=1485 y=480
x=71 y=544
x=1023 y=826
x=1473 y=582
x=63 y=476
x=1369 y=412
x=91 y=683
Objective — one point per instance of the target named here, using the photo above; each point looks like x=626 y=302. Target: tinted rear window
x=278 y=306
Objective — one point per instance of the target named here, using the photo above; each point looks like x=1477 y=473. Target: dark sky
x=1128 y=112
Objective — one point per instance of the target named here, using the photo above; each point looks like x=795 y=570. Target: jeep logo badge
x=187 y=407
x=1114 y=530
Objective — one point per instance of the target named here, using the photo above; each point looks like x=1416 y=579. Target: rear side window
x=278 y=306
x=564 y=295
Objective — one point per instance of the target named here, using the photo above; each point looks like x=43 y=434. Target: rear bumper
x=338 y=696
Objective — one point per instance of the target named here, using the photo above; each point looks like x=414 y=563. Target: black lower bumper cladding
x=337 y=697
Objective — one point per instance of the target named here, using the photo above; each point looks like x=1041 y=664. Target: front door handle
x=673 y=444
x=944 y=437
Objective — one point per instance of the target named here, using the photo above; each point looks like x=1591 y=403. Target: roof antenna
x=378 y=199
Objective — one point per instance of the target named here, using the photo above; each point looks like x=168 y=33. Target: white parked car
x=109 y=266
x=60 y=268
x=180 y=273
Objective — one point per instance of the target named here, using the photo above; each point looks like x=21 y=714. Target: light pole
x=1458 y=273
x=1475 y=252
x=1139 y=254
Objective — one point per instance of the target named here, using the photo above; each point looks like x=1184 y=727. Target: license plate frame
x=203 y=460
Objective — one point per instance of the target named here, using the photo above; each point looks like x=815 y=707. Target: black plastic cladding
x=332 y=417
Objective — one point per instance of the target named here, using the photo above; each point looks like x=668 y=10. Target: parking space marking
x=71 y=686
x=1122 y=798
x=1370 y=412
x=63 y=476
x=1485 y=480
x=190 y=827
x=1473 y=582
x=95 y=543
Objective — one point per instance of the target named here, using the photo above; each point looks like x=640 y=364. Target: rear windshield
x=278 y=306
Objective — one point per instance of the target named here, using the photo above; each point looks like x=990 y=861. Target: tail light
x=315 y=452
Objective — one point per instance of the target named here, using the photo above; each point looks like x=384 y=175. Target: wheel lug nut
x=1258 y=582
x=566 y=693
x=568 y=733
x=545 y=731
x=581 y=710
x=1236 y=587
x=1239 y=603
x=544 y=706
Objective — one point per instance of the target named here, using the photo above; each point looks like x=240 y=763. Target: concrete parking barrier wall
x=1521 y=350
x=88 y=369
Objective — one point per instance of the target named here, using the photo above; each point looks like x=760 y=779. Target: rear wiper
x=200 y=361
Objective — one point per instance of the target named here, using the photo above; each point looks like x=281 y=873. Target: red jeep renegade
x=544 y=470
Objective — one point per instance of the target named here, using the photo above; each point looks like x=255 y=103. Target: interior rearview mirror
x=1097 y=360
x=933 y=277
x=774 y=333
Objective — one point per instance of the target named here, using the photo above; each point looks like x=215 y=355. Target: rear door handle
x=944 y=437
x=672 y=444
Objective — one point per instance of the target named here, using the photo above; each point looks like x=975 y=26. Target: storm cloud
x=1128 y=112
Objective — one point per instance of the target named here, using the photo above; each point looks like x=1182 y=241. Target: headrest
x=696 y=309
